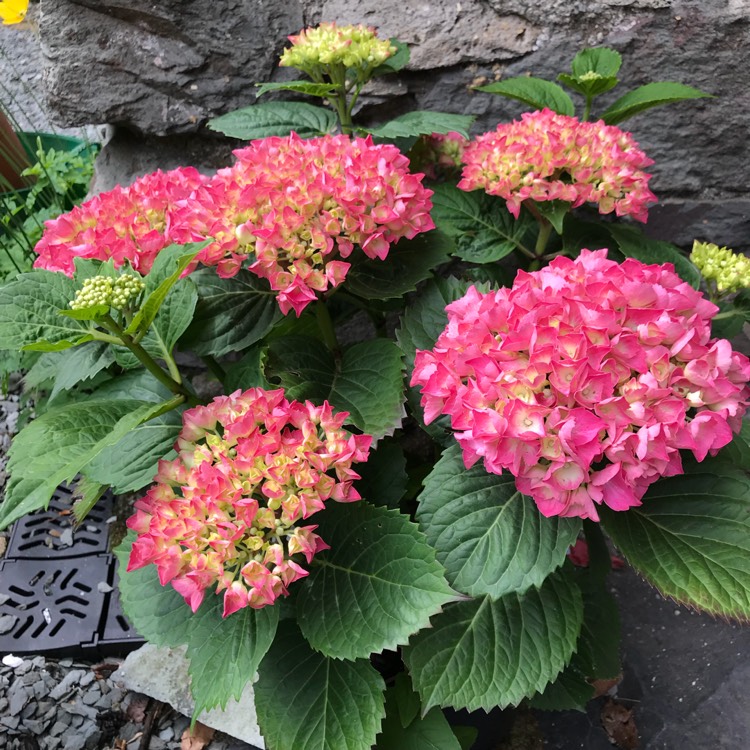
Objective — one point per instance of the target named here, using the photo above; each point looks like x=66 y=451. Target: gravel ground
x=51 y=704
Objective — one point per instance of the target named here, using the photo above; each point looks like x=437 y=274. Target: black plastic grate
x=45 y=534
x=62 y=598
x=57 y=604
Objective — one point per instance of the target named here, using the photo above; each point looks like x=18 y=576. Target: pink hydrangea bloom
x=584 y=380
x=127 y=224
x=225 y=512
x=546 y=156
x=299 y=207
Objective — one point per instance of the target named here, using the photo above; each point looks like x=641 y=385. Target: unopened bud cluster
x=730 y=271
x=354 y=47
x=102 y=290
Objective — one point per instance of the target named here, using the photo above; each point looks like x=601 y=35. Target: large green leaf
x=570 y=691
x=536 y=92
x=231 y=314
x=165 y=273
x=490 y=538
x=424 y=122
x=377 y=584
x=431 y=732
x=275 y=118
x=82 y=363
x=384 y=478
x=634 y=244
x=485 y=653
x=648 y=96
x=398 y=60
x=306 y=700
x=594 y=71
x=483 y=228
x=408 y=263
x=58 y=445
x=131 y=463
x=367 y=381
x=30 y=311
x=691 y=539
x=224 y=653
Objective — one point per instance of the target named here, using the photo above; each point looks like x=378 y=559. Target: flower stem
x=545 y=230
x=215 y=367
x=325 y=324
x=587 y=108
x=148 y=361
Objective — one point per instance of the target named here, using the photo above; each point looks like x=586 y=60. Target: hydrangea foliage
x=225 y=512
x=547 y=156
x=584 y=380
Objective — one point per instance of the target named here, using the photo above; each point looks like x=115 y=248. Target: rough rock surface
x=165 y=68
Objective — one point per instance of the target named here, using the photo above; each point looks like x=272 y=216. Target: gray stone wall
x=159 y=70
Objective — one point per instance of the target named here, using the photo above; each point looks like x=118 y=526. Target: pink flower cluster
x=225 y=511
x=297 y=207
x=127 y=224
x=546 y=156
x=584 y=380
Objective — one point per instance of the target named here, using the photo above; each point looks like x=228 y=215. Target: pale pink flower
x=584 y=380
x=546 y=156
x=225 y=512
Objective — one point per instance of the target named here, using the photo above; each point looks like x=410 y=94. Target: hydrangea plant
x=381 y=519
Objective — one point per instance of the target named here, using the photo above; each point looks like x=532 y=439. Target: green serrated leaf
x=423 y=122
x=490 y=538
x=398 y=60
x=86 y=494
x=600 y=60
x=691 y=539
x=383 y=476
x=275 y=118
x=483 y=228
x=79 y=364
x=58 y=445
x=431 y=732
x=634 y=244
x=555 y=213
x=570 y=691
x=57 y=346
x=648 y=96
x=377 y=584
x=589 y=88
x=231 y=314
x=408 y=263
x=305 y=700
x=300 y=87
x=367 y=382
x=131 y=463
x=141 y=385
x=165 y=273
x=485 y=653
x=225 y=652
x=536 y=92
x=248 y=371
x=87 y=313
x=30 y=312
x=730 y=326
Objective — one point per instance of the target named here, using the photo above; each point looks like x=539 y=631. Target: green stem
x=325 y=324
x=215 y=367
x=545 y=230
x=726 y=314
x=148 y=361
x=587 y=109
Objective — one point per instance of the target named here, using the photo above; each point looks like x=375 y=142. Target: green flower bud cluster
x=730 y=271
x=102 y=290
x=354 y=47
